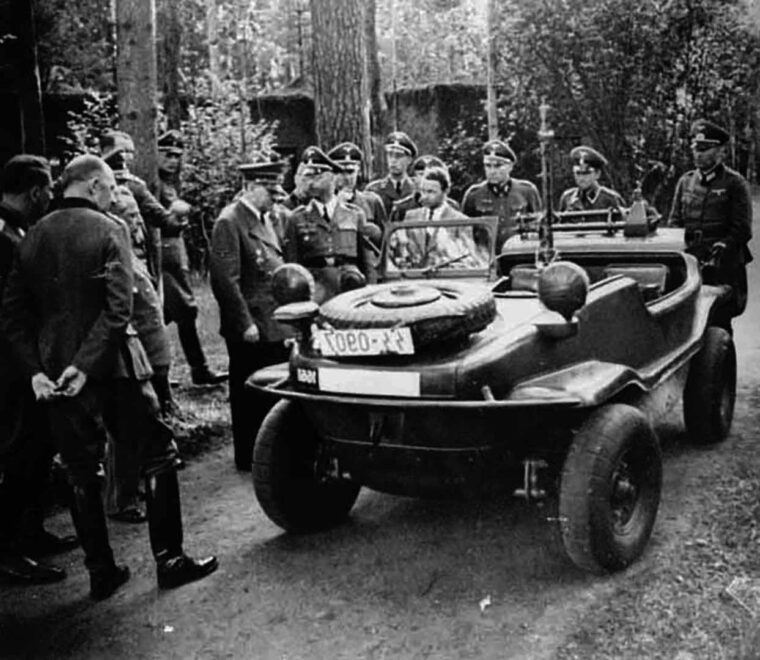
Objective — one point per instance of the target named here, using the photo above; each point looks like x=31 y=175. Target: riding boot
x=174 y=568
x=89 y=518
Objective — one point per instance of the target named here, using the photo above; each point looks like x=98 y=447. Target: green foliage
x=99 y=114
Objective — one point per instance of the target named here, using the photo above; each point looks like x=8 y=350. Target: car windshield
x=439 y=247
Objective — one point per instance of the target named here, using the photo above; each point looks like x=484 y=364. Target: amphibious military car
x=543 y=368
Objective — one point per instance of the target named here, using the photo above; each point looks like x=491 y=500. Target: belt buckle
x=330 y=261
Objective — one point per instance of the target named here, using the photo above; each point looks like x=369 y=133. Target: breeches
x=127 y=410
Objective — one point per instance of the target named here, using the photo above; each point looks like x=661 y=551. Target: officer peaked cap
x=706 y=132
x=402 y=142
x=586 y=157
x=171 y=141
x=347 y=153
x=113 y=142
x=23 y=172
x=317 y=159
x=499 y=149
x=424 y=162
x=267 y=174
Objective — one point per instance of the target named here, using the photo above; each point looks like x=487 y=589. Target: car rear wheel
x=610 y=489
x=710 y=392
x=289 y=478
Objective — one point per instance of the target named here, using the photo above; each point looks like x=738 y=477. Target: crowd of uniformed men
x=88 y=288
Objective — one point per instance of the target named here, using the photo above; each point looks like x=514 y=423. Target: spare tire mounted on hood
x=436 y=312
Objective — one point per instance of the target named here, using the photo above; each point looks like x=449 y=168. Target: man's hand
x=70 y=382
x=43 y=387
x=180 y=208
x=251 y=336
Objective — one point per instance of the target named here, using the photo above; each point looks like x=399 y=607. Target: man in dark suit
x=66 y=313
x=501 y=194
x=331 y=238
x=25 y=445
x=712 y=202
x=245 y=249
x=399 y=152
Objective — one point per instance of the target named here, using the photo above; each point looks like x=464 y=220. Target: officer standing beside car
x=501 y=194
x=588 y=194
x=712 y=202
x=331 y=238
x=245 y=249
x=400 y=149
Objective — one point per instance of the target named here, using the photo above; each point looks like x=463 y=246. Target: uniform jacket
x=714 y=207
x=68 y=299
x=244 y=253
x=604 y=198
x=385 y=188
x=325 y=246
x=372 y=205
x=403 y=206
x=12 y=230
x=517 y=196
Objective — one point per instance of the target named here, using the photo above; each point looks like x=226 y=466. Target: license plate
x=369 y=341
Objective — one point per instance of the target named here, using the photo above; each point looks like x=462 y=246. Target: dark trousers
x=249 y=407
x=25 y=459
x=127 y=409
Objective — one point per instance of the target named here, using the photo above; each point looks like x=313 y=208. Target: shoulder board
x=128 y=176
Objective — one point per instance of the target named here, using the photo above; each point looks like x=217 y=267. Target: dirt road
x=403 y=579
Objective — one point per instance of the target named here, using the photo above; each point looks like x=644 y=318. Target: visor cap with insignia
x=706 y=133
x=171 y=142
x=347 y=154
x=317 y=160
x=267 y=174
x=424 y=162
x=499 y=149
x=400 y=141
x=586 y=159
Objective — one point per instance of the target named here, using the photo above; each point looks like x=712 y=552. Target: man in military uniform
x=350 y=157
x=588 y=194
x=420 y=165
x=25 y=444
x=501 y=194
x=245 y=249
x=299 y=195
x=180 y=306
x=713 y=204
x=399 y=152
x=328 y=236
x=118 y=150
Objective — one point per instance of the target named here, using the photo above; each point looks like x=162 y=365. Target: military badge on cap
x=586 y=158
x=171 y=142
x=319 y=161
x=707 y=133
x=267 y=174
x=346 y=153
x=499 y=149
x=424 y=162
x=400 y=141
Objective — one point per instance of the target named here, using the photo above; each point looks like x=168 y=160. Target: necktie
x=398 y=188
x=325 y=215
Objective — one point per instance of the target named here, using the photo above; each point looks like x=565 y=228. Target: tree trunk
x=30 y=96
x=341 y=90
x=212 y=36
x=136 y=81
x=171 y=29
x=379 y=116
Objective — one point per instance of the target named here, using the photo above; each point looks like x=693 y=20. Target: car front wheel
x=290 y=479
x=610 y=489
